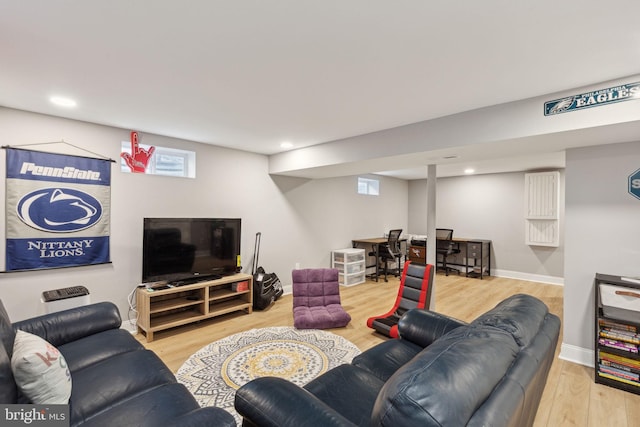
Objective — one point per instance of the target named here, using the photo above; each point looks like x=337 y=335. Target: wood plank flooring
x=571 y=397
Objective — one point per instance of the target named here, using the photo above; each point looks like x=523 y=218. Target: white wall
x=602 y=234
x=300 y=221
x=335 y=214
x=490 y=207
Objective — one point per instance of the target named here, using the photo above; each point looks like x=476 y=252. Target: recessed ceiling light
x=286 y=145
x=469 y=171
x=62 y=101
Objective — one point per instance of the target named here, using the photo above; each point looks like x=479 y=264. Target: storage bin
x=350 y=265
x=351 y=279
x=355 y=268
x=348 y=255
x=620 y=302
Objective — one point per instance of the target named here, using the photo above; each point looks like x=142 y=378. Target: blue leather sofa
x=440 y=372
x=115 y=380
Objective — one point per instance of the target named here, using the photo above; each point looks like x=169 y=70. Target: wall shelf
x=617 y=361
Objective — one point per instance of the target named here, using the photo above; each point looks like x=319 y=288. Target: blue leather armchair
x=115 y=380
x=441 y=371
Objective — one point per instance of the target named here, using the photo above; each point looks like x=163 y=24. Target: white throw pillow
x=40 y=371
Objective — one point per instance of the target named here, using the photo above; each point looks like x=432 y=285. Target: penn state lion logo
x=59 y=210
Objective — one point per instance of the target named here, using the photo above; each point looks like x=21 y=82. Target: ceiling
x=253 y=74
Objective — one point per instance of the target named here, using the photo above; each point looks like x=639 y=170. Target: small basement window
x=165 y=161
x=368 y=186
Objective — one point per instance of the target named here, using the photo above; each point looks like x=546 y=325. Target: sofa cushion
x=157 y=407
x=7 y=333
x=423 y=327
x=521 y=315
x=40 y=370
x=8 y=389
x=349 y=390
x=515 y=400
x=446 y=382
x=69 y=325
x=95 y=348
x=384 y=359
x=108 y=383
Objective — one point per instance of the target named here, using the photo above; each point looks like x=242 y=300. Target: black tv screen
x=189 y=249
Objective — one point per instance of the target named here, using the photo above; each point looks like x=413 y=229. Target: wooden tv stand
x=167 y=308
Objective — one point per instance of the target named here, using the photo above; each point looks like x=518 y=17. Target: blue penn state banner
x=58 y=210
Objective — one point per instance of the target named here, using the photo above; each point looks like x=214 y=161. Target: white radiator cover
x=542 y=200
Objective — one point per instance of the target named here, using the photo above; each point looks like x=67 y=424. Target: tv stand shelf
x=168 y=308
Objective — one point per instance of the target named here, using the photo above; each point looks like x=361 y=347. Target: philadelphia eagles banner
x=57 y=210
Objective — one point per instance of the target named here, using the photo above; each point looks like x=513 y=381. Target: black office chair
x=445 y=247
x=391 y=251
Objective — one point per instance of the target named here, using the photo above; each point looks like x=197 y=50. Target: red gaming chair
x=414 y=292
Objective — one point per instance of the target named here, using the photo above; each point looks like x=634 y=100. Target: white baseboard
x=579 y=355
x=552 y=280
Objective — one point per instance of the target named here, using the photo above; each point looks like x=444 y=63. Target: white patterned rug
x=215 y=372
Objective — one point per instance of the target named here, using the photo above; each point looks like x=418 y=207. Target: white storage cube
x=620 y=303
x=351 y=265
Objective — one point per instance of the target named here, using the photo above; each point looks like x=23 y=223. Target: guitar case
x=267 y=287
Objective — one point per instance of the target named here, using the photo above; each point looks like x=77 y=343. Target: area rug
x=215 y=372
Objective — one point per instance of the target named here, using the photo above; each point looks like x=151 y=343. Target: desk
x=474 y=256
x=373 y=243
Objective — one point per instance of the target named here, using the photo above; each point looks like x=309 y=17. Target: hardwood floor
x=571 y=397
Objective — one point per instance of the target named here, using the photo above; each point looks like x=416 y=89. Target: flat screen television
x=185 y=250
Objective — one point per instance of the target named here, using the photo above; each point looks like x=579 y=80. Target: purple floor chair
x=316 y=299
